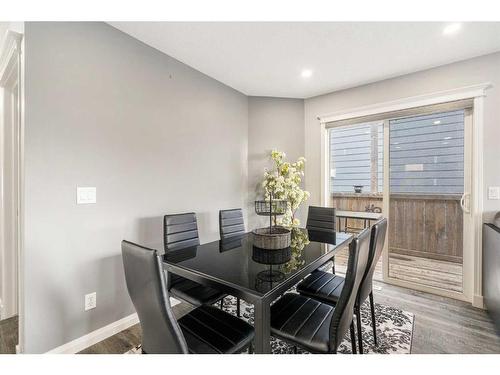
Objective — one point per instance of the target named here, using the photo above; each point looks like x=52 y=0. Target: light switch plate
x=90 y=301
x=493 y=192
x=86 y=195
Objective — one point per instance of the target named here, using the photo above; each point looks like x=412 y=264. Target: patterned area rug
x=394 y=330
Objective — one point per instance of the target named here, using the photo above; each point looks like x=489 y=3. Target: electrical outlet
x=90 y=301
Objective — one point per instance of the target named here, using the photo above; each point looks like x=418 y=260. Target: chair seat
x=303 y=321
x=212 y=331
x=194 y=293
x=323 y=286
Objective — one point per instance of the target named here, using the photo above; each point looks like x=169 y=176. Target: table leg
x=262 y=325
x=345 y=226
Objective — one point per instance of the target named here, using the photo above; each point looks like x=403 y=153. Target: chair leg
x=295 y=349
x=358 y=324
x=353 y=338
x=222 y=303
x=333 y=267
x=250 y=348
x=374 y=322
x=238 y=307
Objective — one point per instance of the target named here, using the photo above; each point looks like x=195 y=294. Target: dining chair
x=327 y=287
x=180 y=232
x=203 y=330
x=320 y=327
x=231 y=224
x=322 y=219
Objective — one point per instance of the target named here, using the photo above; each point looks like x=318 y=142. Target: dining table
x=258 y=276
x=366 y=216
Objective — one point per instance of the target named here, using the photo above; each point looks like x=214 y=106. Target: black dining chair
x=231 y=225
x=327 y=287
x=203 y=330
x=322 y=219
x=180 y=232
x=320 y=327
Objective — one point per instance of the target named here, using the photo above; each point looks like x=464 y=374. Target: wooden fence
x=427 y=226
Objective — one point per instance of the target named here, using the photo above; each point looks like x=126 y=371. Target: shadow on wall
x=110 y=306
x=260 y=161
x=150 y=229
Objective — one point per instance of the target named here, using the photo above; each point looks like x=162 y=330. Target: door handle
x=465 y=207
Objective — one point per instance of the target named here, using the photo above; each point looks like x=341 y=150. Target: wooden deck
x=423 y=271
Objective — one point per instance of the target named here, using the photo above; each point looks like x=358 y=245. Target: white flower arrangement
x=283 y=182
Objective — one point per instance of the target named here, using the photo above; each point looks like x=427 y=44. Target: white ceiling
x=266 y=59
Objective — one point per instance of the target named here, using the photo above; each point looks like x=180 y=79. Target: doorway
x=10 y=197
x=414 y=166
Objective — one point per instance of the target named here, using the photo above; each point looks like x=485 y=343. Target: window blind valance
x=393 y=115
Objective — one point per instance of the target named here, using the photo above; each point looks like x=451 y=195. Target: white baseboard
x=94 y=337
x=478 y=301
x=100 y=334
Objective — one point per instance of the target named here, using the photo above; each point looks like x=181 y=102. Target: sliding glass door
x=416 y=170
x=356 y=170
x=427 y=183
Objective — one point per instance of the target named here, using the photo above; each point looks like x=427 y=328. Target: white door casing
x=11 y=178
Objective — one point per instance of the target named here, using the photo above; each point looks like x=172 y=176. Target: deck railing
x=423 y=225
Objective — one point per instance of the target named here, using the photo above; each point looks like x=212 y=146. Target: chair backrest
x=377 y=239
x=321 y=219
x=356 y=268
x=148 y=290
x=230 y=243
x=180 y=231
x=231 y=223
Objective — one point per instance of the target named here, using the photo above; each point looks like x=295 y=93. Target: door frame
x=12 y=76
x=467 y=256
x=477 y=94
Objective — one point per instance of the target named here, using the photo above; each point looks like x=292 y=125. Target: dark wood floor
x=8 y=335
x=442 y=325
x=129 y=338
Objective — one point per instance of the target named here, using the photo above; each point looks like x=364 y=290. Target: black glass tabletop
x=236 y=262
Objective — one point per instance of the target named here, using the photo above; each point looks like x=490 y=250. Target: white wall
x=465 y=73
x=152 y=134
x=273 y=123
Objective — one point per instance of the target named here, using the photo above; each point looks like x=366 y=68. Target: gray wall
x=153 y=135
x=273 y=123
x=465 y=73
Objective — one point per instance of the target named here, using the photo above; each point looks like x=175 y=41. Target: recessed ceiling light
x=452 y=28
x=306 y=73
x=437 y=122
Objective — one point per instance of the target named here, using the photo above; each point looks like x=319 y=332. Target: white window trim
x=475 y=92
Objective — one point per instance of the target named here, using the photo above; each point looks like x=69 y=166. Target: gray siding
x=426 y=155
x=350 y=157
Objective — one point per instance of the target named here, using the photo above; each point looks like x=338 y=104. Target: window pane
x=356 y=158
x=427 y=154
